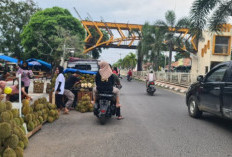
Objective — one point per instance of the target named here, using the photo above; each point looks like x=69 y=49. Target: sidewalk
x=166 y=85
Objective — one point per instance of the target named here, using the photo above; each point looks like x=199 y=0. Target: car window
x=217 y=75
x=228 y=76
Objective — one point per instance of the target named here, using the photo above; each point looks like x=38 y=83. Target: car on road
x=212 y=93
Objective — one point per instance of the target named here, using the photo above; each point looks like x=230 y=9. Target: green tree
x=180 y=55
x=219 y=10
x=48 y=31
x=13 y=16
x=170 y=38
x=129 y=62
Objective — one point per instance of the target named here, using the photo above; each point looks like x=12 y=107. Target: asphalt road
x=154 y=126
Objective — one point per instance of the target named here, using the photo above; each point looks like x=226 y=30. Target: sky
x=121 y=11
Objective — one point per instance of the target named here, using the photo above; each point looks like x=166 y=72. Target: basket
x=81 y=94
x=49 y=88
x=38 y=87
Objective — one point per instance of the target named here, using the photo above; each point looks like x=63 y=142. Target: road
x=154 y=126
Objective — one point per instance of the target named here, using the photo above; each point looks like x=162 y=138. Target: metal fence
x=182 y=79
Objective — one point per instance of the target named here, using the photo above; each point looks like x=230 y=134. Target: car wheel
x=193 y=107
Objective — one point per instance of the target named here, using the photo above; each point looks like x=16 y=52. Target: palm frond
x=220 y=16
x=183 y=23
x=199 y=11
x=170 y=18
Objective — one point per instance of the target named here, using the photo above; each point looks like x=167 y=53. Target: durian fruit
x=50 y=119
x=52 y=113
x=5 y=116
x=11 y=114
x=28 y=118
x=15 y=113
x=9 y=152
x=19 y=151
x=21 y=120
x=30 y=126
x=38 y=107
x=25 y=102
x=12 y=141
x=2 y=107
x=19 y=132
x=8 y=105
x=12 y=123
x=41 y=119
x=21 y=144
x=45 y=117
x=25 y=141
x=51 y=106
x=26 y=109
x=24 y=131
x=40 y=113
x=17 y=120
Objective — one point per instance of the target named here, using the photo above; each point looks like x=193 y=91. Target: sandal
x=120 y=118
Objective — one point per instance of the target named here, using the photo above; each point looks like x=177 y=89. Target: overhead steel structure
x=133 y=33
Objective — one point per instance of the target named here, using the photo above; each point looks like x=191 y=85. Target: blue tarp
x=81 y=71
x=41 y=62
x=9 y=59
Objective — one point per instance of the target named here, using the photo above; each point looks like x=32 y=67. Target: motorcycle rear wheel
x=102 y=120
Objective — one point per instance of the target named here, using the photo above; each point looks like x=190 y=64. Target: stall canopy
x=34 y=63
x=8 y=59
x=81 y=71
x=41 y=62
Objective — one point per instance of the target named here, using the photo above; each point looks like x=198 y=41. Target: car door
x=211 y=88
x=227 y=95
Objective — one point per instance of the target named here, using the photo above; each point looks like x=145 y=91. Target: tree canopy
x=50 y=31
x=13 y=16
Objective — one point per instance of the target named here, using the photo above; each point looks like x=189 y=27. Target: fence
x=181 y=79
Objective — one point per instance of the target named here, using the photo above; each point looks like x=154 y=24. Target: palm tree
x=170 y=38
x=219 y=10
x=129 y=61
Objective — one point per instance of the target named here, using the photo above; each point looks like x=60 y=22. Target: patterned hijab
x=105 y=70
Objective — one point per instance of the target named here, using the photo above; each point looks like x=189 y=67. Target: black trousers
x=59 y=101
x=26 y=89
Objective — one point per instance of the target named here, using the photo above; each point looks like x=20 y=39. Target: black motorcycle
x=151 y=88
x=105 y=106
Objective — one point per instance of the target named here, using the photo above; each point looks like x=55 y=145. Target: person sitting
x=105 y=83
x=116 y=78
x=115 y=70
x=69 y=83
x=129 y=74
x=150 y=77
x=14 y=96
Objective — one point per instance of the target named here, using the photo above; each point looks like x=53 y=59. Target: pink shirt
x=25 y=76
x=2 y=84
x=15 y=90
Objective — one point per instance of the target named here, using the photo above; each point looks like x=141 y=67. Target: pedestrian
x=69 y=84
x=26 y=75
x=59 y=87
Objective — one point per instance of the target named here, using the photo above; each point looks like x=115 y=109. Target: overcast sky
x=121 y=11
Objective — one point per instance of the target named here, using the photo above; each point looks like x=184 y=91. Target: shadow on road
x=218 y=121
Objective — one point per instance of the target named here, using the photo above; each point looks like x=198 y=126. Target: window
x=222 y=45
x=217 y=75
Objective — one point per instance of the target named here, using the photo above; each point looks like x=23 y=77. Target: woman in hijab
x=26 y=75
x=59 y=88
x=105 y=83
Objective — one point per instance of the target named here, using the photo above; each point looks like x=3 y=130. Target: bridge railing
x=176 y=78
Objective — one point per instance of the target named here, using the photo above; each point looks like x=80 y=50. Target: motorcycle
x=129 y=78
x=105 y=106
x=151 y=88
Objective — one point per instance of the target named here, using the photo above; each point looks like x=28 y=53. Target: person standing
x=69 y=83
x=59 y=88
x=26 y=75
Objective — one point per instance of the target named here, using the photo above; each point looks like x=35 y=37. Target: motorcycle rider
x=105 y=83
x=150 y=77
x=116 y=78
x=129 y=74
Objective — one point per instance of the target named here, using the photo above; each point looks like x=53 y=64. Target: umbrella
x=34 y=63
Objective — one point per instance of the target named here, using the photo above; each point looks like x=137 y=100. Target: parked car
x=212 y=93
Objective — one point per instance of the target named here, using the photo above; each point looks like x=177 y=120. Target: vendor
x=69 y=84
x=14 y=96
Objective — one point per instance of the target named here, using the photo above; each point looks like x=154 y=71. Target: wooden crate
x=81 y=94
x=38 y=87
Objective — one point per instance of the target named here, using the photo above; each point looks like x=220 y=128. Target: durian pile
x=53 y=81
x=38 y=113
x=12 y=133
x=84 y=104
x=87 y=82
